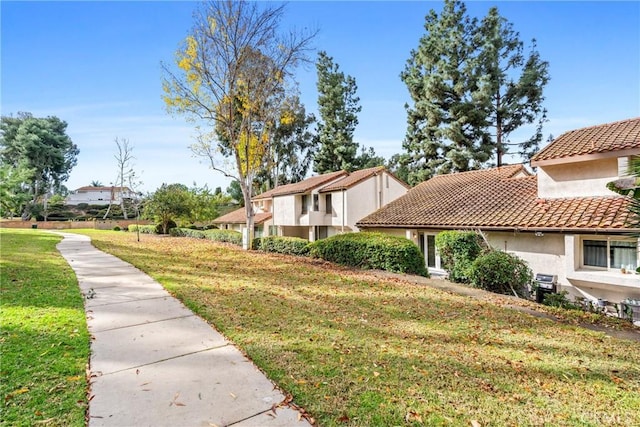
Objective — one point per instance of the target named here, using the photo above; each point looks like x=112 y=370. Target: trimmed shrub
x=187 y=232
x=502 y=273
x=371 y=251
x=225 y=236
x=282 y=245
x=116 y=228
x=144 y=229
x=458 y=250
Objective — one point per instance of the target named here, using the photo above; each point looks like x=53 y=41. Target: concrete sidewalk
x=155 y=363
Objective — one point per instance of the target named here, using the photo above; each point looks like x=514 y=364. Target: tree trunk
x=498 y=132
x=248 y=208
x=122 y=206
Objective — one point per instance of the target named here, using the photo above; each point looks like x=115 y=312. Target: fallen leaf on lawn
x=413 y=416
x=475 y=423
x=376 y=374
x=74 y=378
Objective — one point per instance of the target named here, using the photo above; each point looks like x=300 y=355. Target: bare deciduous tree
x=124 y=158
x=229 y=72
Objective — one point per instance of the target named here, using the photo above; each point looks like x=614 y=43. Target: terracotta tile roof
x=498 y=198
x=617 y=136
x=302 y=186
x=352 y=179
x=356 y=177
x=239 y=217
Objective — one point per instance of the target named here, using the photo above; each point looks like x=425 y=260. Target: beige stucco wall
x=370 y=195
x=544 y=254
x=285 y=210
x=577 y=179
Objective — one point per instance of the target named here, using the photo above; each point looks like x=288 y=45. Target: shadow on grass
x=338 y=340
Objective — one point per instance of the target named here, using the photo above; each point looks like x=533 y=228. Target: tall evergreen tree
x=512 y=83
x=42 y=146
x=338 y=107
x=471 y=87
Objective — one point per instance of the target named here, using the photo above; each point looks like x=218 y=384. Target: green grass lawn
x=44 y=341
x=354 y=349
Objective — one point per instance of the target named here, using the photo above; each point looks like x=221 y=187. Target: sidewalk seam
x=125 y=302
x=144 y=323
x=164 y=360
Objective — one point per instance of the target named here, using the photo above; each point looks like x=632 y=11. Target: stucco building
x=320 y=206
x=563 y=221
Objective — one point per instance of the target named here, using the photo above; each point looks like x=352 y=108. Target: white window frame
x=607 y=239
x=424 y=247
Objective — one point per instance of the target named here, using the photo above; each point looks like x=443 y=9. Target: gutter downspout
x=342 y=229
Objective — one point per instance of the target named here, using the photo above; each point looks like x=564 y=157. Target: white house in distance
x=98 y=195
x=320 y=206
x=563 y=221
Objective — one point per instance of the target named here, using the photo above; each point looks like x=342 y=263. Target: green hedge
x=502 y=273
x=458 y=250
x=187 y=232
x=371 y=251
x=226 y=236
x=282 y=245
x=144 y=229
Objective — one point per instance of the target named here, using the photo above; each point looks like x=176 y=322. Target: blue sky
x=96 y=65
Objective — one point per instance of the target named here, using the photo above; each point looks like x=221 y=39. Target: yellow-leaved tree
x=229 y=77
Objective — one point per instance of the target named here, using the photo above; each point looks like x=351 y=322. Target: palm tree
x=96 y=183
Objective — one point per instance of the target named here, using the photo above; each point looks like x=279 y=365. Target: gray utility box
x=545 y=284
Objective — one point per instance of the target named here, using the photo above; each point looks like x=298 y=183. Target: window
x=316 y=203
x=305 y=203
x=427 y=244
x=610 y=254
x=321 y=232
x=273 y=230
x=327 y=203
x=431 y=250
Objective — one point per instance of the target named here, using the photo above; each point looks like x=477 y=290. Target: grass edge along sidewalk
x=354 y=349
x=44 y=340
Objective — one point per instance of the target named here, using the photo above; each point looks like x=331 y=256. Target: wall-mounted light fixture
x=539 y=234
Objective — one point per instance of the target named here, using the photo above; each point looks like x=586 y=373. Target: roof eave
x=585 y=157
x=579 y=230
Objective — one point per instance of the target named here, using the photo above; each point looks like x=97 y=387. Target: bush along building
x=564 y=221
